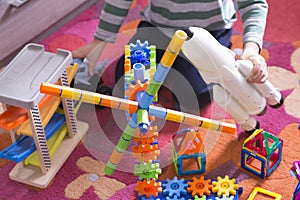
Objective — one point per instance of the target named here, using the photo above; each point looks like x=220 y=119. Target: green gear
x=198 y=198
x=147 y=170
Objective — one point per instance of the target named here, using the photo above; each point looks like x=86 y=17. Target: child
x=161 y=16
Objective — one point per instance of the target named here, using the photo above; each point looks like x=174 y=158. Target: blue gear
x=175 y=198
x=150 y=198
x=139 y=56
x=231 y=197
x=139 y=53
x=140 y=46
x=174 y=187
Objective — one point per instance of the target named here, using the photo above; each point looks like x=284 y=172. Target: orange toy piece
x=200 y=186
x=148 y=188
x=14 y=116
x=188 y=142
x=145 y=152
x=133 y=89
x=147 y=137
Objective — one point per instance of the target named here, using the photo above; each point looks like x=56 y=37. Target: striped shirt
x=176 y=14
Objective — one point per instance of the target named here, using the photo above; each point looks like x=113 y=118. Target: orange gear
x=144 y=138
x=133 y=89
x=145 y=152
x=199 y=186
x=144 y=141
x=148 y=188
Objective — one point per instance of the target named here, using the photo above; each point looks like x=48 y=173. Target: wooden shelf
x=34 y=21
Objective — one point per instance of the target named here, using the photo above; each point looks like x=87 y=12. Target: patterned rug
x=82 y=176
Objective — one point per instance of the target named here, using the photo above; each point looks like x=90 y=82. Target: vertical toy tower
x=261 y=153
x=139 y=68
x=188 y=145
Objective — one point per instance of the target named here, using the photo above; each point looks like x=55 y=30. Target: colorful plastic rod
x=132 y=107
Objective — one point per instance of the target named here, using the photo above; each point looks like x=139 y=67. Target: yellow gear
x=225 y=186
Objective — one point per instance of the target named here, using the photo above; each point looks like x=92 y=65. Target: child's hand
x=91 y=51
x=259 y=73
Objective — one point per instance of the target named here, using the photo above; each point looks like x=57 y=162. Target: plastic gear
x=225 y=198
x=148 y=188
x=147 y=170
x=139 y=53
x=174 y=187
x=150 y=198
x=140 y=46
x=145 y=152
x=139 y=56
x=143 y=138
x=198 y=198
x=199 y=186
x=175 y=198
x=145 y=141
x=135 y=88
x=225 y=186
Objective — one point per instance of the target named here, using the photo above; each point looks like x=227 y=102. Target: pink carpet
x=282 y=52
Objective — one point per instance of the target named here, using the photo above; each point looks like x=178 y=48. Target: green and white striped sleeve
x=112 y=17
x=253 y=14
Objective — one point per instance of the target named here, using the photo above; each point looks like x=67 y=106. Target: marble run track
x=24 y=146
x=16 y=117
x=21 y=80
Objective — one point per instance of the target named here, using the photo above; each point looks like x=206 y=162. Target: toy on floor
x=261 y=153
x=296 y=195
x=84 y=81
x=197 y=188
x=296 y=165
x=35 y=115
x=187 y=145
x=231 y=90
x=257 y=190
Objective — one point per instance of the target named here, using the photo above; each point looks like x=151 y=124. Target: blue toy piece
x=174 y=188
x=296 y=195
x=139 y=57
x=175 y=198
x=177 y=189
x=140 y=46
x=224 y=197
x=25 y=145
x=201 y=161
